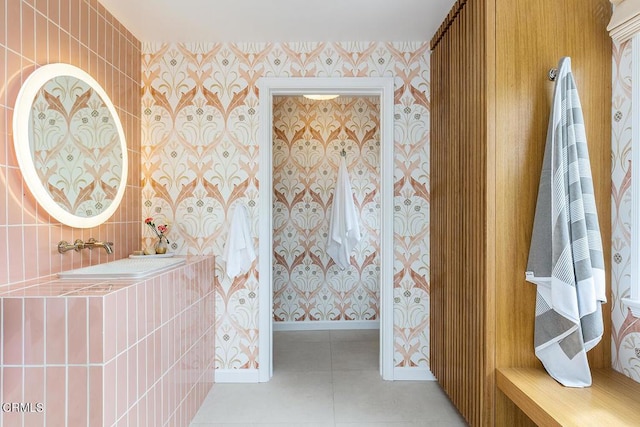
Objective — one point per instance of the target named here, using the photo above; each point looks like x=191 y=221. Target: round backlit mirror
x=70 y=145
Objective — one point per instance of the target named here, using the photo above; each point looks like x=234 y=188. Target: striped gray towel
x=565 y=258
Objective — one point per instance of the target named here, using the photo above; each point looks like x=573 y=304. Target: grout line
x=66 y=359
x=2 y=367
x=24 y=345
x=88 y=393
x=44 y=356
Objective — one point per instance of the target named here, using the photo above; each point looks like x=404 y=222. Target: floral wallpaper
x=308 y=138
x=200 y=119
x=625 y=339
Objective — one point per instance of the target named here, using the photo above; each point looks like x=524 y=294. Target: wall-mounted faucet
x=78 y=245
x=93 y=243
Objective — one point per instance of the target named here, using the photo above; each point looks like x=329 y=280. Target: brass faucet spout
x=78 y=245
x=93 y=243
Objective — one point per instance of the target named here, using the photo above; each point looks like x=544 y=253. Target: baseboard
x=413 y=374
x=323 y=325
x=252 y=375
x=236 y=376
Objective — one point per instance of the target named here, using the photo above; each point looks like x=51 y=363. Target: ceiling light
x=320 y=97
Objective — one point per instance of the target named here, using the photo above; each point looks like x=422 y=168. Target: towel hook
x=552 y=74
x=343 y=153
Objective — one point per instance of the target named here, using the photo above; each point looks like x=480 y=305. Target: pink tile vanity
x=136 y=352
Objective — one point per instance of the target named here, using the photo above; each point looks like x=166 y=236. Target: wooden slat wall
x=459 y=299
x=490 y=107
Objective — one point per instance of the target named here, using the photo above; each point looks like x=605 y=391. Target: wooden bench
x=613 y=400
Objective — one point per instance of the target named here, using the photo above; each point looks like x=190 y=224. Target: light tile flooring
x=327 y=378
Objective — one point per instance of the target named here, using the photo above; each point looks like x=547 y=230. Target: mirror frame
x=21 y=142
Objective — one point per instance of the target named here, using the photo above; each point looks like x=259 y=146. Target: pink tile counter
x=109 y=352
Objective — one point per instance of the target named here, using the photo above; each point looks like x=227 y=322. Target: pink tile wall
x=81 y=33
x=150 y=370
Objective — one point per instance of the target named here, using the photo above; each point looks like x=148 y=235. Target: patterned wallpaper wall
x=625 y=339
x=308 y=137
x=200 y=118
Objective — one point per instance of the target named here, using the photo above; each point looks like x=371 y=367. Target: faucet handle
x=64 y=246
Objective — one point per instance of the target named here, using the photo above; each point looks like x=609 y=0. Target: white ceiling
x=280 y=20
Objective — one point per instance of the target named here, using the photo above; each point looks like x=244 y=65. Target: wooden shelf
x=612 y=400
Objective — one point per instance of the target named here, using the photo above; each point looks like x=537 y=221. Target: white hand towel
x=344 y=228
x=239 y=253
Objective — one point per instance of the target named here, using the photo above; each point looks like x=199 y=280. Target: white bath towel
x=344 y=228
x=239 y=253
x=566 y=261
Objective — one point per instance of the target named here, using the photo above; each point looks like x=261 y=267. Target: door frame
x=354 y=86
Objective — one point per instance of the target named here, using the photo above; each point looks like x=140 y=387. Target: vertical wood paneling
x=459 y=214
x=490 y=107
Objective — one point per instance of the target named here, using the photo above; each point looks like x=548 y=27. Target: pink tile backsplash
x=13 y=332
x=55 y=402
x=77 y=330
x=122 y=382
x=121 y=320
x=141 y=351
x=34 y=392
x=34 y=331
x=12 y=392
x=82 y=33
x=2 y=19
x=95 y=389
x=15 y=259
x=82 y=369
x=109 y=397
x=56 y=337
x=96 y=331
x=141 y=298
x=28 y=32
x=78 y=395
x=12 y=384
x=4 y=267
x=110 y=327
x=31 y=269
x=132 y=316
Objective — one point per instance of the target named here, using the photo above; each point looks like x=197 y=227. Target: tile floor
x=323 y=379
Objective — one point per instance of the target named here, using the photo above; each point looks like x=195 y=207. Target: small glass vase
x=162 y=246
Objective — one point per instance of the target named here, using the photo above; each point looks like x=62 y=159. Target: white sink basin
x=127 y=268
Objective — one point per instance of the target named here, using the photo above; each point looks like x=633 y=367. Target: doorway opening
x=355 y=86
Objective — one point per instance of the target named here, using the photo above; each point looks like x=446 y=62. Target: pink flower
x=159 y=231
